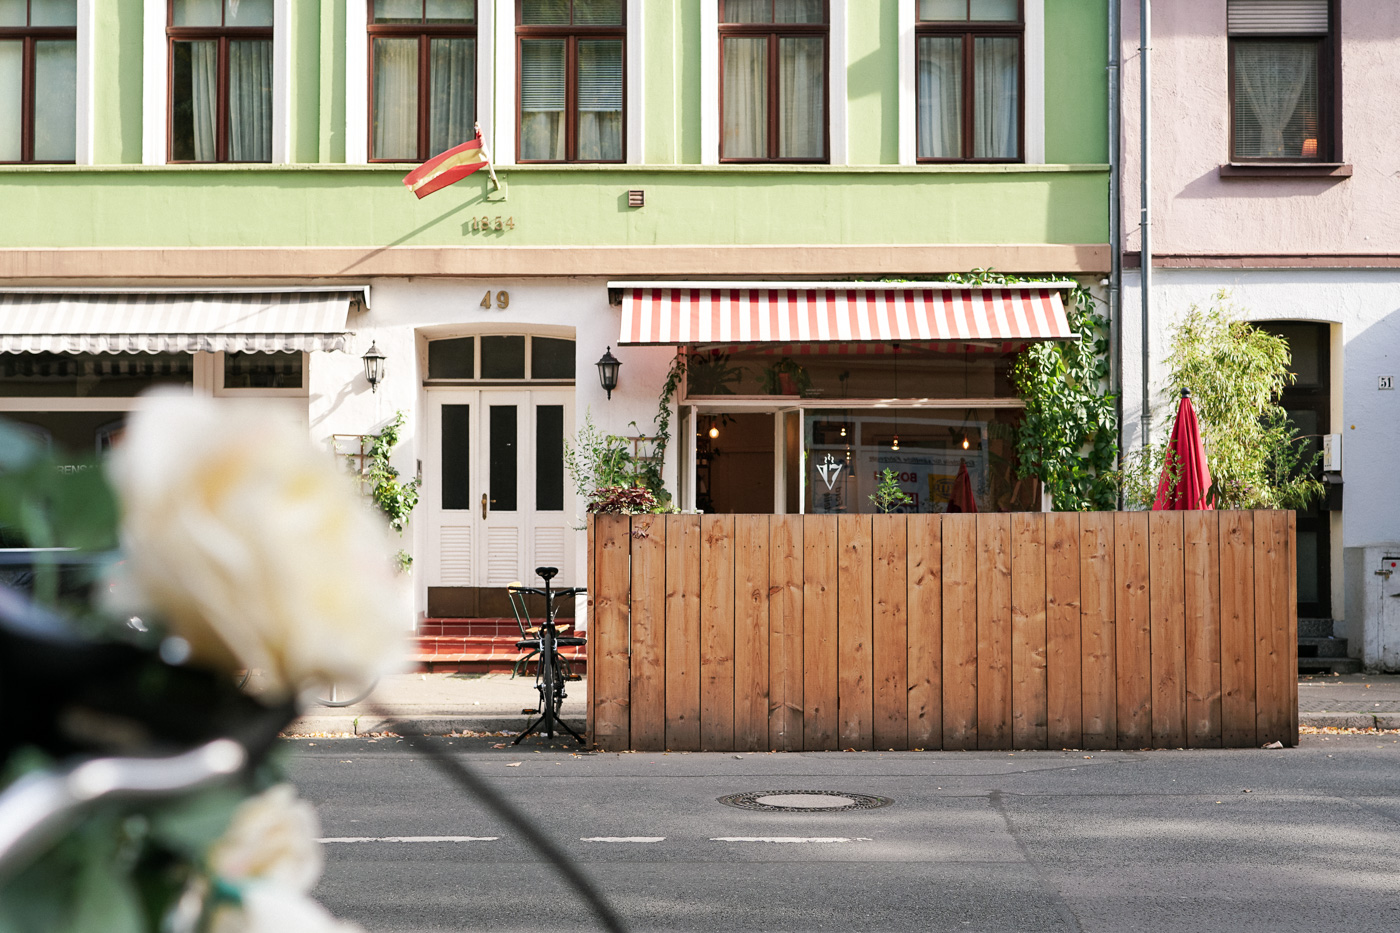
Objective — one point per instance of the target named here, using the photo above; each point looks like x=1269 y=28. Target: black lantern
x=374 y=367
x=607 y=371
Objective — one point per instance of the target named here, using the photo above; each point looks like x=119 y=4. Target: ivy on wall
x=1068 y=437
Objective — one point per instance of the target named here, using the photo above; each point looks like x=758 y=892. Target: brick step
x=479 y=654
x=489 y=627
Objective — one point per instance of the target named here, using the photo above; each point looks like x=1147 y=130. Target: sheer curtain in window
x=599 y=100
x=1275 y=82
x=542 y=130
x=940 y=97
x=996 y=98
x=195 y=101
x=745 y=105
x=55 y=100
x=250 y=100
x=396 y=99
x=452 y=106
x=11 y=99
x=801 y=98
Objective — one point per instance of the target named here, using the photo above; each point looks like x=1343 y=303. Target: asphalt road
x=1252 y=840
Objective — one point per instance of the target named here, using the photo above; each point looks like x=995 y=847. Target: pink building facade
x=1274 y=176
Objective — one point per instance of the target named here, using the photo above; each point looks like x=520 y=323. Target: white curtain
x=55 y=100
x=542 y=130
x=395 y=99
x=204 y=99
x=798 y=11
x=599 y=100
x=996 y=98
x=250 y=100
x=748 y=11
x=1272 y=79
x=940 y=91
x=11 y=99
x=801 y=98
x=452 y=100
x=745 y=107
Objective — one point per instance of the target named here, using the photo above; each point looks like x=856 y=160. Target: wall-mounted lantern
x=374 y=367
x=607 y=371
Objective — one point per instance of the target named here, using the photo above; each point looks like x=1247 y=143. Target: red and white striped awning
x=689 y=313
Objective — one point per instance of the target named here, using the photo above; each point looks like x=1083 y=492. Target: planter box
x=1002 y=631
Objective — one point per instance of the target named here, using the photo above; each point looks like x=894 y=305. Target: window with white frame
x=220 y=80
x=38 y=80
x=773 y=66
x=969 y=74
x=423 y=77
x=571 y=80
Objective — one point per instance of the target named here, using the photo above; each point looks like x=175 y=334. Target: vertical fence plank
x=819 y=632
x=1239 y=728
x=994 y=631
x=1166 y=595
x=855 y=665
x=925 y=604
x=890 y=630
x=1270 y=623
x=1064 y=652
x=1099 y=700
x=1291 y=565
x=1202 y=603
x=960 y=631
x=1133 y=635
x=716 y=633
x=648 y=632
x=1028 y=651
x=751 y=632
x=611 y=714
x=785 y=633
x=683 y=632
x=590 y=648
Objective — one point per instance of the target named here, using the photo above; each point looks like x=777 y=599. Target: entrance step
x=475 y=646
x=1319 y=651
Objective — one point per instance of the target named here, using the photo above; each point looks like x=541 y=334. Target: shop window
x=1283 y=63
x=264 y=370
x=422 y=77
x=38 y=80
x=773 y=80
x=500 y=357
x=969 y=74
x=220 y=80
x=91 y=375
x=571 y=80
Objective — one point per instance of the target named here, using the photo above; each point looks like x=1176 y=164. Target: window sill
x=401 y=168
x=1285 y=170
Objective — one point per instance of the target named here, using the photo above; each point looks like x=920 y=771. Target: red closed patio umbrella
x=1186 y=457
x=962 y=499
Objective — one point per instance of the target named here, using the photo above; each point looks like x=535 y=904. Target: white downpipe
x=1145 y=224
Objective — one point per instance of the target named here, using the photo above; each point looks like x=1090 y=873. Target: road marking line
x=410 y=839
x=622 y=839
x=789 y=839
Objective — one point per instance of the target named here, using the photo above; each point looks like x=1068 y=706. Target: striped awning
x=689 y=313
x=40 y=321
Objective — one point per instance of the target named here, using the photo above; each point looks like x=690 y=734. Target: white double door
x=499 y=501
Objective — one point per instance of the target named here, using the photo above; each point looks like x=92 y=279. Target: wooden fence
x=1027 y=630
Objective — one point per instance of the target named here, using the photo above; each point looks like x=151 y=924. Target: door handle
x=483 y=505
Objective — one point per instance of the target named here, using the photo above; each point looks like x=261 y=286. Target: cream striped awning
x=690 y=313
x=169 y=322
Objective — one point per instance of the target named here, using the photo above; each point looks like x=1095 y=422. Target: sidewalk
x=436 y=704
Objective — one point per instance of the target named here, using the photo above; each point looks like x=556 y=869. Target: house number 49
x=502 y=299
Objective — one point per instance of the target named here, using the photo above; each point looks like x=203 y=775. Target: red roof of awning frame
x=689 y=313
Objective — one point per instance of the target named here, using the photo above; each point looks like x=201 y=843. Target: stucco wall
x=1195 y=210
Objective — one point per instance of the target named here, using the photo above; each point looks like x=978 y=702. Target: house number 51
x=502 y=299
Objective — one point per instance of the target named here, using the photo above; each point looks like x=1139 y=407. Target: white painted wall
x=405 y=312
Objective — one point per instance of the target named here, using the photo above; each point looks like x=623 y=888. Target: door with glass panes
x=499 y=505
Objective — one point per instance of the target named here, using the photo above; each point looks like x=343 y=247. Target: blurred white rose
x=253 y=546
x=270 y=908
x=273 y=837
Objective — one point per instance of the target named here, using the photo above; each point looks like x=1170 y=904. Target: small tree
x=1236 y=373
x=888 y=496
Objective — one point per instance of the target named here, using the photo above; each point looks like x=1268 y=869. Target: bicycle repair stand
x=549 y=660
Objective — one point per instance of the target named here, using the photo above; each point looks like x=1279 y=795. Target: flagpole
x=486 y=154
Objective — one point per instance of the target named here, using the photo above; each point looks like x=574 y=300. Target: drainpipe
x=1145 y=225
x=1115 y=210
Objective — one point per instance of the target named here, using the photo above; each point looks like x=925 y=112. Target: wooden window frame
x=28 y=35
x=969 y=32
x=224 y=35
x=571 y=35
x=424 y=32
x=774 y=32
x=1329 y=93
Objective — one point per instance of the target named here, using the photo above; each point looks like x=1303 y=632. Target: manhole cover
x=797 y=801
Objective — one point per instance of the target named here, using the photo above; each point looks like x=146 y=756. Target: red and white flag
x=450 y=167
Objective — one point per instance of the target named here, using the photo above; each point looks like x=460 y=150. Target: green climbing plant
x=1068 y=436
x=393 y=497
